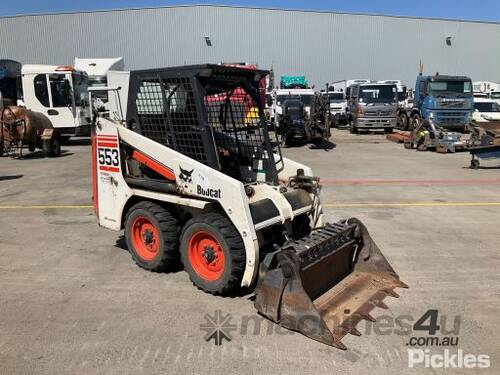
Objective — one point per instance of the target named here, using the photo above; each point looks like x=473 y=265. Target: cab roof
x=41 y=69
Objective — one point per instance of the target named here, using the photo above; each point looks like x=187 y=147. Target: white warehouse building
x=324 y=46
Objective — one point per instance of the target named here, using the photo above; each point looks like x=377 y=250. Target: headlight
x=431 y=115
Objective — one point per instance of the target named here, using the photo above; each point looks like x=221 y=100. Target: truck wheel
x=213 y=253
x=416 y=120
x=403 y=121
x=52 y=147
x=152 y=236
x=352 y=128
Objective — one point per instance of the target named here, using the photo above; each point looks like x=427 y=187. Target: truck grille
x=382 y=113
x=451 y=104
x=451 y=118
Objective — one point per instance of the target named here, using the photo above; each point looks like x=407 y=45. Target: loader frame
x=192 y=172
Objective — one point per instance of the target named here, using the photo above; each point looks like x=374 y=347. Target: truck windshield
x=443 y=87
x=377 y=93
x=336 y=97
x=305 y=99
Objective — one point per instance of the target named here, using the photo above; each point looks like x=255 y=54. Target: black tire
x=352 y=128
x=402 y=121
x=474 y=164
x=1 y=147
x=229 y=243
x=301 y=226
x=52 y=147
x=166 y=257
x=416 y=120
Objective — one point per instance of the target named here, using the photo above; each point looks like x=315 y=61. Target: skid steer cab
x=193 y=182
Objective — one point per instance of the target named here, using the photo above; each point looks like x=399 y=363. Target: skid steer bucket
x=322 y=285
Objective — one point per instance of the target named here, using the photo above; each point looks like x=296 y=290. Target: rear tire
x=152 y=235
x=52 y=147
x=213 y=253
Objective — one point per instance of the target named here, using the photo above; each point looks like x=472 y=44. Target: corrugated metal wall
x=323 y=46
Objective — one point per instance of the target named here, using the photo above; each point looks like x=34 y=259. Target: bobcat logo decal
x=186 y=175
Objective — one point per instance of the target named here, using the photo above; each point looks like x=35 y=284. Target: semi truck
x=372 y=105
x=445 y=99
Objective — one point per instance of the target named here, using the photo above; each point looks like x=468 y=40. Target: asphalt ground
x=73 y=302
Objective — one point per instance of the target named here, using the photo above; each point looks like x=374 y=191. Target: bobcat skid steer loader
x=189 y=179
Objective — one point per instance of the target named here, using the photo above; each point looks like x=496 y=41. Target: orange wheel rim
x=145 y=238
x=206 y=256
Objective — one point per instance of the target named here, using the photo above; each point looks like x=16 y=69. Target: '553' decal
x=108 y=155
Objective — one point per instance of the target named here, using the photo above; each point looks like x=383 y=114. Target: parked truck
x=405 y=102
x=373 y=105
x=292 y=87
x=58 y=92
x=446 y=100
x=338 y=107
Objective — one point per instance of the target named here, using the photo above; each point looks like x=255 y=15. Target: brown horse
x=21 y=127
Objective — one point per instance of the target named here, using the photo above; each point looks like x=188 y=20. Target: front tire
x=416 y=121
x=152 y=236
x=352 y=128
x=213 y=253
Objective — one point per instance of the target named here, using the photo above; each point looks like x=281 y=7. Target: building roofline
x=249 y=8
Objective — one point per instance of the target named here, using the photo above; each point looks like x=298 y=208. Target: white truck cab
x=495 y=95
x=338 y=107
x=485 y=110
x=60 y=93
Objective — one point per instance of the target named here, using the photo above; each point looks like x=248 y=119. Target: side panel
x=112 y=191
